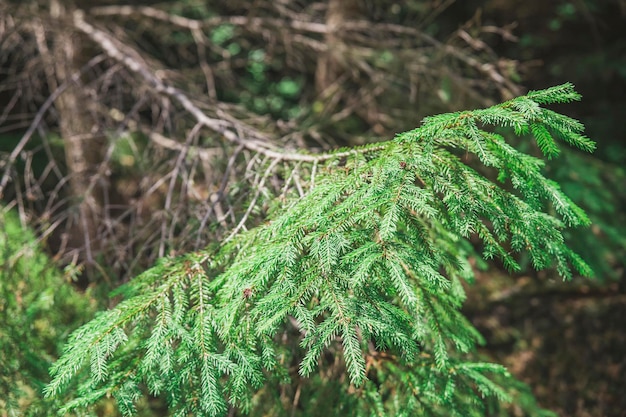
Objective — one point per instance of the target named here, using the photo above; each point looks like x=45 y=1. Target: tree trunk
x=329 y=66
x=84 y=148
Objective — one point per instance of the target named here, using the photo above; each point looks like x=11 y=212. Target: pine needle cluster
x=369 y=265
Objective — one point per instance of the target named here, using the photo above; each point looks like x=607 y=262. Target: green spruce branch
x=368 y=265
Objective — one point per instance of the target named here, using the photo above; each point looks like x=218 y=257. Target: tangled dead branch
x=181 y=161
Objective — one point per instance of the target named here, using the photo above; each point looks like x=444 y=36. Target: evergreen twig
x=369 y=262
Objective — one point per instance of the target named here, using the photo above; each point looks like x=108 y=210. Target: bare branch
x=222 y=127
x=39 y=116
x=259 y=189
x=193 y=24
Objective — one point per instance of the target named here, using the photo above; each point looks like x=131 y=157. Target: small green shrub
x=38 y=310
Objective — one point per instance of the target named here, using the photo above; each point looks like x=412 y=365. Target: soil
x=566 y=340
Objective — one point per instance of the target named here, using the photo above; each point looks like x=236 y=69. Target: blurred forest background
x=131 y=131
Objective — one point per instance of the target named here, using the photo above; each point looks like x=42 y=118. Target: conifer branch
x=369 y=262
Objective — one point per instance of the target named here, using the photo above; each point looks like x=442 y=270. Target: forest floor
x=566 y=340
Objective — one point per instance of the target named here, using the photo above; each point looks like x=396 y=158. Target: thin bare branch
x=39 y=116
x=114 y=50
x=258 y=190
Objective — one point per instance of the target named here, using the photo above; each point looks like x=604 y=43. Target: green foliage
x=37 y=310
x=367 y=268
